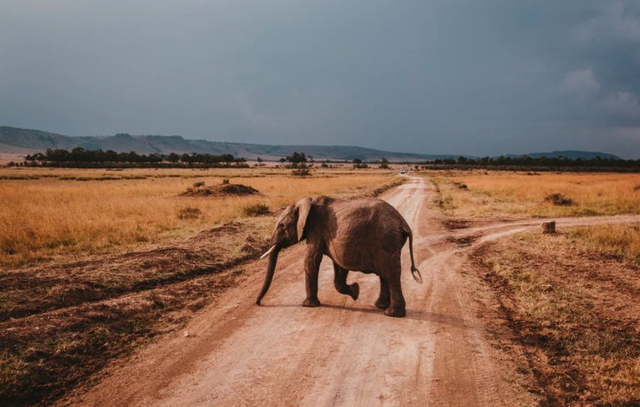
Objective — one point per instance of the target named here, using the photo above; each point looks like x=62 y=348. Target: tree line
x=79 y=157
x=542 y=162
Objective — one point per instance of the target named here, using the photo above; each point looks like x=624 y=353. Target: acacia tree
x=297 y=159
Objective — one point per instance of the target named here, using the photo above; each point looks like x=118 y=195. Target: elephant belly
x=354 y=259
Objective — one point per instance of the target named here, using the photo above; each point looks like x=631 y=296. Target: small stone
x=186 y=334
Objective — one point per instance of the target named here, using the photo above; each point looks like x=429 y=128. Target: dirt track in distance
x=345 y=352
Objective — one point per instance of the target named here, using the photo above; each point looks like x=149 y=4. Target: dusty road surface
x=345 y=353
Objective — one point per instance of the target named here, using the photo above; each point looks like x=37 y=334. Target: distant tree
x=297 y=158
x=357 y=163
x=384 y=163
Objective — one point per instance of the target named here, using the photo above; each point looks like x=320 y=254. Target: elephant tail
x=414 y=270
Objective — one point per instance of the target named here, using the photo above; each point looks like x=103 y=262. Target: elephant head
x=289 y=230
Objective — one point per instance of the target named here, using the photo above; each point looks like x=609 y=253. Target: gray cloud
x=490 y=77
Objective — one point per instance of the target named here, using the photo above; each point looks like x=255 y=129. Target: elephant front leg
x=384 y=299
x=340 y=282
x=312 y=268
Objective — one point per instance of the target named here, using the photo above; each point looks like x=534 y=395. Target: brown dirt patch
x=453 y=224
x=62 y=323
x=574 y=313
x=219 y=190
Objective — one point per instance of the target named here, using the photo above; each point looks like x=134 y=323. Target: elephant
x=364 y=235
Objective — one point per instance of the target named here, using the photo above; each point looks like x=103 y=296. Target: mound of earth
x=220 y=190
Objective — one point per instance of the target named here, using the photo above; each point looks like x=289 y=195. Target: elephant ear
x=303 y=207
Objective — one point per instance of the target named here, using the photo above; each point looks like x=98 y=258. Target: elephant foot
x=354 y=291
x=395 y=312
x=382 y=303
x=311 y=302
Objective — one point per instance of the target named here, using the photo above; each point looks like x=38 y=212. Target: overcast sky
x=458 y=76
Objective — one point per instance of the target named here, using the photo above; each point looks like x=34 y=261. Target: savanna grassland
x=569 y=298
x=477 y=194
x=94 y=263
x=51 y=213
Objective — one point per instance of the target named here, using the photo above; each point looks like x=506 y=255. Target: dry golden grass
x=575 y=314
x=518 y=194
x=46 y=212
x=619 y=240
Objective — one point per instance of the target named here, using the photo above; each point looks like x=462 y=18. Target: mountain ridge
x=37 y=140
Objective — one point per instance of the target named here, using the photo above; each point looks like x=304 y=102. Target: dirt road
x=345 y=352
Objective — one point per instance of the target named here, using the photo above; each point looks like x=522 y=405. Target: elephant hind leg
x=384 y=299
x=340 y=282
x=392 y=278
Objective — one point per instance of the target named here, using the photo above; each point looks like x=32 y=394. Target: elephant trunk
x=273 y=259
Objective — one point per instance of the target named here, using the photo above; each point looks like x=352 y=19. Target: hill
x=35 y=140
x=571 y=154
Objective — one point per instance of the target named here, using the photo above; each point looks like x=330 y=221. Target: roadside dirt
x=574 y=313
x=61 y=322
x=345 y=352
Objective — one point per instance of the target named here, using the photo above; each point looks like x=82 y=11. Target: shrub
x=256 y=209
x=558 y=199
x=189 y=213
x=198 y=184
x=301 y=172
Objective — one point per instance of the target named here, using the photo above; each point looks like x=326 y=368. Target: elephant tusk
x=268 y=251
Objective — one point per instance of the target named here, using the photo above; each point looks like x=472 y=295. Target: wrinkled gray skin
x=363 y=235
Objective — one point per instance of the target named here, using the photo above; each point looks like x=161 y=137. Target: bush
x=558 y=199
x=256 y=209
x=302 y=172
x=189 y=213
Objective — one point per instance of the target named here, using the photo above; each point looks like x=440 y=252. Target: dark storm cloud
x=466 y=76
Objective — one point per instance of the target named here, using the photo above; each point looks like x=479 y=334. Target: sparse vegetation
x=558 y=199
x=575 y=314
x=619 y=240
x=189 y=213
x=256 y=209
x=509 y=194
x=63 y=322
x=43 y=216
x=301 y=172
